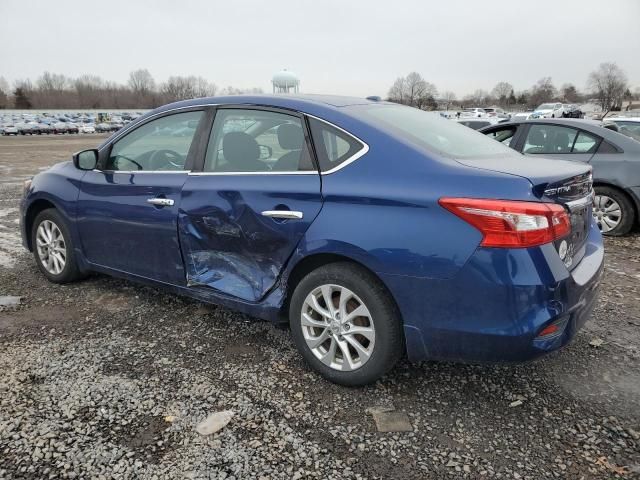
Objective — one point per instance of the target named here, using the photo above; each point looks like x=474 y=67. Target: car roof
x=294 y=101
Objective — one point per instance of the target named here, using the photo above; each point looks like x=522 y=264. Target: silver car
x=615 y=159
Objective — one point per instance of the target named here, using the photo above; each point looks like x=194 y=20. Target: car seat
x=241 y=153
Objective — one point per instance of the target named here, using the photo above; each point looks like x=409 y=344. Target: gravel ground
x=106 y=379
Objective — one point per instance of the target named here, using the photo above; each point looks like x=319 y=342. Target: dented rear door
x=238 y=229
x=228 y=244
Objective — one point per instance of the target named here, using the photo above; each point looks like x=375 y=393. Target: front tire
x=53 y=247
x=345 y=324
x=613 y=211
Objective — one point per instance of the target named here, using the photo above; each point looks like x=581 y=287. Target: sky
x=348 y=47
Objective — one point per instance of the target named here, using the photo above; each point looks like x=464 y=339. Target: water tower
x=285 y=82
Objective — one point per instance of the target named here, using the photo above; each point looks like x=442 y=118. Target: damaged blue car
x=375 y=230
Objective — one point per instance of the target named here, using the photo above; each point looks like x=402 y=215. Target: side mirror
x=86 y=159
x=265 y=152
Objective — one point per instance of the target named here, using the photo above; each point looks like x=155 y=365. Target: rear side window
x=246 y=140
x=333 y=146
x=554 y=139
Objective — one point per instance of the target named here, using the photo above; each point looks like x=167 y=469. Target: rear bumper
x=495 y=307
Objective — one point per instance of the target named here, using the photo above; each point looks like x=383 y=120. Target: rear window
x=432 y=132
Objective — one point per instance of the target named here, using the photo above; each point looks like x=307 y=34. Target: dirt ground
x=107 y=379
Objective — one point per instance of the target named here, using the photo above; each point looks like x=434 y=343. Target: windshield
x=546 y=106
x=431 y=131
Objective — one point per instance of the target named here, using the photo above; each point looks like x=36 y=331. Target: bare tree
x=480 y=97
x=501 y=92
x=4 y=85
x=4 y=93
x=569 y=93
x=542 y=91
x=448 y=97
x=90 y=91
x=141 y=82
x=413 y=90
x=180 y=88
x=52 y=82
x=397 y=90
x=204 y=88
x=608 y=83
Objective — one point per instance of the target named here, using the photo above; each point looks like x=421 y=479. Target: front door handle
x=290 y=214
x=160 y=202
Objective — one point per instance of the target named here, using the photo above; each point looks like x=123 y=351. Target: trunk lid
x=564 y=182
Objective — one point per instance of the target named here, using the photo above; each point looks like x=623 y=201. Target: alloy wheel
x=337 y=327
x=51 y=247
x=607 y=213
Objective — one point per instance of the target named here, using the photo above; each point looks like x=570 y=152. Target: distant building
x=285 y=82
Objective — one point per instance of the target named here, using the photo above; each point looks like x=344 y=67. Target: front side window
x=584 y=143
x=257 y=141
x=332 y=145
x=159 y=145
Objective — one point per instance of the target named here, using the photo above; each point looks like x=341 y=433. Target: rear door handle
x=290 y=214
x=161 y=202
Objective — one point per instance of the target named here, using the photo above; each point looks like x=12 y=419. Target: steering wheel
x=166 y=158
x=130 y=160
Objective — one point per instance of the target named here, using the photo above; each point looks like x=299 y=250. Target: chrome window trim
x=363 y=151
x=141 y=171
x=269 y=172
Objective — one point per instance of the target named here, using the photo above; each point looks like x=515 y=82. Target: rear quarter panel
x=383 y=211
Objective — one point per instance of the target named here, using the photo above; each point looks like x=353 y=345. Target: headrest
x=290 y=136
x=240 y=149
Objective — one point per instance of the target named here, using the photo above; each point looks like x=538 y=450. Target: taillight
x=509 y=223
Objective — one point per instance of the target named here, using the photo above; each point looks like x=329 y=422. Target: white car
x=521 y=116
x=9 y=129
x=548 y=110
x=86 y=128
x=496 y=112
x=478 y=123
x=474 y=112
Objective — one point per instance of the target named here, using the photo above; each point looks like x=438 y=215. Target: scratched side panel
x=227 y=245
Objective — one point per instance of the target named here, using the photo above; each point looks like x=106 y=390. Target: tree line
x=52 y=90
x=607 y=84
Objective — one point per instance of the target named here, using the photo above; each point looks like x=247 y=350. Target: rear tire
x=356 y=350
x=613 y=211
x=53 y=248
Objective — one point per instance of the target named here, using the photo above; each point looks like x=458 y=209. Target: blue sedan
x=375 y=230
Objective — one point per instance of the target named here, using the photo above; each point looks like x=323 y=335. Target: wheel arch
x=314 y=261
x=622 y=190
x=33 y=210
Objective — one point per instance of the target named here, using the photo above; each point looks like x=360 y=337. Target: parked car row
x=48 y=123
